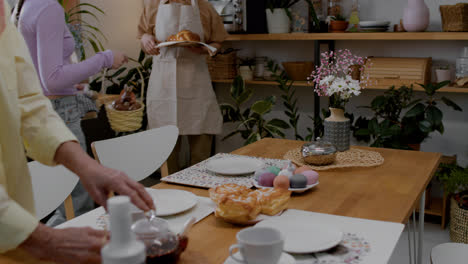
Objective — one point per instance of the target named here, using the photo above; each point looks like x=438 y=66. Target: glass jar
x=462 y=64
x=354 y=17
x=319 y=152
x=334 y=7
x=259 y=67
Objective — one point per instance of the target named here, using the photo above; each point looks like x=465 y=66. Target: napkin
x=99 y=219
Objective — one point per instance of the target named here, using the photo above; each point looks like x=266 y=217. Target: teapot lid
x=318 y=147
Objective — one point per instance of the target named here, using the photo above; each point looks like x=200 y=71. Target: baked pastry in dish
x=184 y=35
x=227 y=189
x=273 y=201
x=238 y=208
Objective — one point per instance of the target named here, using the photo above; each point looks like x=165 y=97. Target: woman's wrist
x=108 y=58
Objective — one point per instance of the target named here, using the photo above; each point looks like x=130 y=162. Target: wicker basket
x=127 y=121
x=454 y=17
x=222 y=66
x=458 y=223
x=298 y=70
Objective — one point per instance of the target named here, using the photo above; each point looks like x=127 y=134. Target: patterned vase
x=416 y=16
x=337 y=129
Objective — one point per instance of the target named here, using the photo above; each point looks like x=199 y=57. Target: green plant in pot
x=251 y=122
x=279 y=16
x=338 y=24
x=401 y=122
x=454 y=180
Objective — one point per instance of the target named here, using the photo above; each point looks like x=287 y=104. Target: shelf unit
x=330 y=38
x=354 y=36
x=304 y=84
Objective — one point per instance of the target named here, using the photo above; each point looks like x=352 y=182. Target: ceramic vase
x=278 y=21
x=416 y=16
x=443 y=75
x=338 y=129
x=246 y=73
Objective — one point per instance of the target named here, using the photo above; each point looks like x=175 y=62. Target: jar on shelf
x=334 y=7
x=259 y=67
x=462 y=64
x=354 y=16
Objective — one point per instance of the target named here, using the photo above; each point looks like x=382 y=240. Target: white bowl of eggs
x=290 y=177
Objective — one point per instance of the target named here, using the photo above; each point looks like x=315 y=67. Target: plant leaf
x=141 y=57
x=278 y=123
x=451 y=104
x=118 y=72
x=262 y=107
x=425 y=126
x=418 y=109
x=434 y=115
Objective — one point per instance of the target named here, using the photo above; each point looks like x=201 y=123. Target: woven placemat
x=346 y=159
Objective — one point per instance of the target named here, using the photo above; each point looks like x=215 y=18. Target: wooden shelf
x=435 y=208
x=354 y=36
x=304 y=83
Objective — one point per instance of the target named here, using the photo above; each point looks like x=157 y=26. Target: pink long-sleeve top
x=51 y=44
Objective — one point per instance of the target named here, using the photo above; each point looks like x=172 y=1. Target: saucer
x=284 y=259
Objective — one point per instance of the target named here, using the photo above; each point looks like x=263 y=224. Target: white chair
x=51 y=187
x=449 y=253
x=140 y=154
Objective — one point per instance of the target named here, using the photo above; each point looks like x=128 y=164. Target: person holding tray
x=180 y=91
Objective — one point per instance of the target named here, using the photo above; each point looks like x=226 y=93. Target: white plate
x=374 y=23
x=295 y=190
x=171 y=202
x=186 y=43
x=284 y=259
x=303 y=236
x=234 y=166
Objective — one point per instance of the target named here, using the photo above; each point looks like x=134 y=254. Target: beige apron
x=180 y=92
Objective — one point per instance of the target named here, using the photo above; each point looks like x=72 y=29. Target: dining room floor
x=433 y=236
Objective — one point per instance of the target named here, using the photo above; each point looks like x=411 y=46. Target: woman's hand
x=148 y=44
x=119 y=59
x=70 y=245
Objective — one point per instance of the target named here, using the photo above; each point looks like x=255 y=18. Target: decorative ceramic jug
x=337 y=129
x=416 y=16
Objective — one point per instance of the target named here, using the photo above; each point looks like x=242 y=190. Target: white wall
x=122 y=17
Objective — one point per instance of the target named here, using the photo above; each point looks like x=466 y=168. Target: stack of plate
x=374 y=26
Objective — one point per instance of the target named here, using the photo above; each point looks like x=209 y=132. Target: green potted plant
x=251 y=122
x=246 y=68
x=279 y=16
x=338 y=24
x=401 y=122
x=454 y=180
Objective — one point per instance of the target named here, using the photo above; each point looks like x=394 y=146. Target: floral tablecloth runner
x=199 y=176
x=352 y=250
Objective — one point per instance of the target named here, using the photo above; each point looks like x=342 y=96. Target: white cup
x=258 y=245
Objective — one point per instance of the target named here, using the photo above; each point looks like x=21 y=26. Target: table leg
x=421 y=227
x=409 y=241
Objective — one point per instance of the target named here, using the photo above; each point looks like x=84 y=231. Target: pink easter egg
x=312 y=176
x=301 y=169
x=266 y=179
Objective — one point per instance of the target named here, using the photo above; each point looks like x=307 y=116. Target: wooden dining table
x=389 y=192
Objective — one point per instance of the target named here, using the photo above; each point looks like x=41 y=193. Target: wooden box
x=386 y=72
